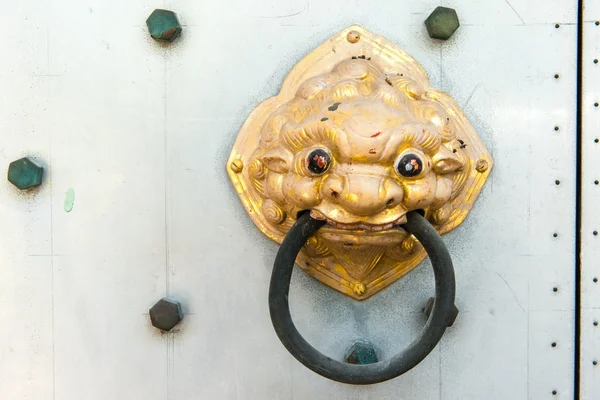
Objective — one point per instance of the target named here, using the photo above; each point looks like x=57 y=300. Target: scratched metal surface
x=141 y=133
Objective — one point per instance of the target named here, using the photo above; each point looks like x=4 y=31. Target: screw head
x=237 y=166
x=359 y=289
x=481 y=165
x=442 y=23
x=163 y=25
x=353 y=36
x=25 y=174
x=165 y=314
x=361 y=352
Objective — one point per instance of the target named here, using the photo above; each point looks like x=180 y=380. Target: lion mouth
x=359 y=225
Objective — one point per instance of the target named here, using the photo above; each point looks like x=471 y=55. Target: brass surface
x=331 y=141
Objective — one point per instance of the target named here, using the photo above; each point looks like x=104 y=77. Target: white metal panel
x=141 y=132
x=590 y=214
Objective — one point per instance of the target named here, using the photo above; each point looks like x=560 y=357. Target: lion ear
x=446 y=161
x=277 y=159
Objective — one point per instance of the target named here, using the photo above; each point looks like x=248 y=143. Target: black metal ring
x=381 y=371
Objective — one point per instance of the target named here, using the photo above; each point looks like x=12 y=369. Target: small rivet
x=596 y=140
x=556 y=76
x=596 y=104
x=237 y=165
x=595 y=61
x=359 y=289
x=554 y=392
x=595 y=233
x=595 y=362
x=556 y=128
x=555 y=234
x=596 y=182
x=555 y=289
x=482 y=165
x=595 y=323
x=597 y=23
x=595 y=280
x=557 y=182
x=353 y=36
x=557 y=26
x=553 y=344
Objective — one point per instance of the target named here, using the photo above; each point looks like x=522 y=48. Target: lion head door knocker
x=357 y=167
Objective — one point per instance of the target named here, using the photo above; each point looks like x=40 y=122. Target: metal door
x=141 y=133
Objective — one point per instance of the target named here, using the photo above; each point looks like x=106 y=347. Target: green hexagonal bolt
x=442 y=23
x=361 y=352
x=165 y=314
x=163 y=25
x=25 y=174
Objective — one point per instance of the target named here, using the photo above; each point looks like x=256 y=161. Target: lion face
x=351 y=148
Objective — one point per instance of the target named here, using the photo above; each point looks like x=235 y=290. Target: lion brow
x=309 y=134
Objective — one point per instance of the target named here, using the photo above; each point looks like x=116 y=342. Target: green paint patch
x=69 y=200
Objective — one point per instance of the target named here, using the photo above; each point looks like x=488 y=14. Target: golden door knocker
x=357 y=166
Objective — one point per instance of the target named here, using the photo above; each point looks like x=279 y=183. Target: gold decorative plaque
x=358 y=137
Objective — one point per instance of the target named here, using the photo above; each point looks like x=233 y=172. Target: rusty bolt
x=163 y=25
x=482 y=165
x=353 y=36
x=429 y=307
x=25 y=174
x=237 y=165
x=165 y=314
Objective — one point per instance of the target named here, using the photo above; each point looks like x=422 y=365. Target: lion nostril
x=390 y=203
x=334 y=194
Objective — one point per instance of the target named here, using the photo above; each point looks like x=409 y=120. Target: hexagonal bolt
x=442 y=23
x=165 y=314
x=361 y=352
x=163 y=25
x=25 y=174
x=429 y=307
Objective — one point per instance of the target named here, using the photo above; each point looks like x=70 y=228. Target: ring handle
x=381 y=371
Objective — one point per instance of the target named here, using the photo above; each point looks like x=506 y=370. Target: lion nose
x=364 y=195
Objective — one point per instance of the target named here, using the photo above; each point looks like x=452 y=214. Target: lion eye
x=409 y=165
x=318 y=161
